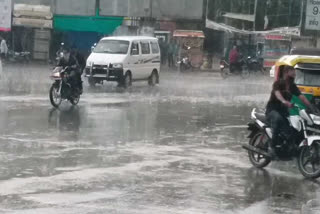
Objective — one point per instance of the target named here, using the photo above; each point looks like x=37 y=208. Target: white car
x=124 y=60
x=272 y=71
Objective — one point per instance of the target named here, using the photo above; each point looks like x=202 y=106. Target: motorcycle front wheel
x=55 y=97
x=75 y=100
x=260 y=141
x=224 y=73
x=309 y=161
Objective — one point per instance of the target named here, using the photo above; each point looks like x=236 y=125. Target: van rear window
x=155 y=47
x=145 y=48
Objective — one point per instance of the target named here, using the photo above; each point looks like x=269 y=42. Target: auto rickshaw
x=307 y=76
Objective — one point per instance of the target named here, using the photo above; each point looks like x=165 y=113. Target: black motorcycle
x=227 y=70
x=62 y=88
x=184 y=64
x=20 y=57
x=255 y=65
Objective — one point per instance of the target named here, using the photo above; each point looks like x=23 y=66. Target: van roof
x=129 y=38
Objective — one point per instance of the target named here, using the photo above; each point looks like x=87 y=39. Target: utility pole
x=150 y=8
x=255 y=14
x=290 y=12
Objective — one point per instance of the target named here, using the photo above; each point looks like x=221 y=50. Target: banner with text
x=5 y=15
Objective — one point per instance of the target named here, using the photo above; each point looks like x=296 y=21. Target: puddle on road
x=175 y=149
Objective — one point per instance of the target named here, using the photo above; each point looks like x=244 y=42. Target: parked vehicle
x=62 y=89
x=304 y=143
x=20 y=57
x=184 y=64
x=124 y=60
x=255 y=65
x=226 y=70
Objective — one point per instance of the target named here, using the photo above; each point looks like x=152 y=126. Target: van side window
x=135 y=48
x=145 y=47
x=155 y=47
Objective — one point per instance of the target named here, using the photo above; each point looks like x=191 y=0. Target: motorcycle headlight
x=117 y=65
x=56 y=75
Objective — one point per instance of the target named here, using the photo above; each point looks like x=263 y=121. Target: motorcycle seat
x=261 y=117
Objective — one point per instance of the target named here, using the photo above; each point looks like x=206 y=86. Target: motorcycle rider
x=70 y=63
x=279 y=104
x=234 y=59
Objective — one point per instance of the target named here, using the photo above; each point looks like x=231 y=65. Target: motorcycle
x=303 y=143
x=22 y=57
x=227 y=70
x=255 y=64
x=185 y=64
x=62 y=89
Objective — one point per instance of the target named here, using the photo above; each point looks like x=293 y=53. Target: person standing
x=171 y=50
x=3 y=48
x=163 y=49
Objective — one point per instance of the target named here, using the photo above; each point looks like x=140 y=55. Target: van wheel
x=127 y=80
x=153 y=79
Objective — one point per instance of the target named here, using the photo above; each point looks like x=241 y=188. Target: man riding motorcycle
x=70 y=62
x=278 y=107
x=234 y=59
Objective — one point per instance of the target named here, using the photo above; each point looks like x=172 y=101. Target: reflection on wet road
x=174 y=148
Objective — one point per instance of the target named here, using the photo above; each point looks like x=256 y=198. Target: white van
x=124 y=60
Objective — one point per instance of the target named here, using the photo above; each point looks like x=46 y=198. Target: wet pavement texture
x=174 y=148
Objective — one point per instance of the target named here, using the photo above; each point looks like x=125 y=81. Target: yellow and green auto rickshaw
x=307 y=75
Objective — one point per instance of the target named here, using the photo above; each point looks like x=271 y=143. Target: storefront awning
x=240 y=16
x=104 y=25
x=223 y=27
x=188 y=33
x=292 y=31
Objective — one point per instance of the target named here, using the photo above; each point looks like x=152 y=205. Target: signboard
x=313 y=15
x=177 y=9
x=29 y=22
x=75 y=7
x=5 y=15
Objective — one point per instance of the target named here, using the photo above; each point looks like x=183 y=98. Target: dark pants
x=75 y=79
x=3 y=56
x=170 y=60
x=279 y=125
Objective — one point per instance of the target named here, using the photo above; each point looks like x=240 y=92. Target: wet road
x=170 y=149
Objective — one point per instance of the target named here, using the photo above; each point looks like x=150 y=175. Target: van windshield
x=112 y=47
x=308 y=77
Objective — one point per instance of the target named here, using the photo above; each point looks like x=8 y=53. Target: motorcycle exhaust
x=256 y=150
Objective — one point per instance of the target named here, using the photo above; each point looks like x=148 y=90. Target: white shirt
x=3 y=47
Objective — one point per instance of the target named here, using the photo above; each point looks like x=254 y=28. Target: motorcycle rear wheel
x=245 y=73
x=55 y=98
x=260 y=141
x=309 y=161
